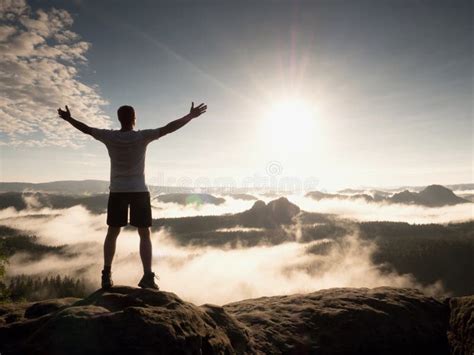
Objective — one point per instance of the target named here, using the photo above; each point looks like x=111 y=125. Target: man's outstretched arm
x=180 y=122
x=66 y=116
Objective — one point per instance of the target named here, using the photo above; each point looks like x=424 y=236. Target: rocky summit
x=126 y=320
x=275 y=213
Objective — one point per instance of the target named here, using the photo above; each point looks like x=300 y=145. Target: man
x=127 y=148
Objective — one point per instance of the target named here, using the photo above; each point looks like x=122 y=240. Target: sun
x=289 y=125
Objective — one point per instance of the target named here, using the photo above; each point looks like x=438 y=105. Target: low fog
x=361 y=210
x=167 y=210
x=357 y=209
x=212 y=275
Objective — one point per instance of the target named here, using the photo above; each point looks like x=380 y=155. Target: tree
x=3 y=263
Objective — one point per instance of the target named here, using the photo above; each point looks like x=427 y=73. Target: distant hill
x=77 y=187
x=457 y=187
x=454 y=187
x=190 y=198
x=431 y=196
x=246 y=197
x=96 y=203
x=461 y=187
x=351 y=191
x=318 y=195
x=66 y=186
x=102 y=186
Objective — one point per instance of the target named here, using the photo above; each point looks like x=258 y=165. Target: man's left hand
x=196 y=111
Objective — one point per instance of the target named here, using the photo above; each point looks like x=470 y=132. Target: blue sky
x=386 y=86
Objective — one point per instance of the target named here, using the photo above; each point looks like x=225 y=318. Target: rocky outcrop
x=431 y=196
x=275 y=213
x=125 y=320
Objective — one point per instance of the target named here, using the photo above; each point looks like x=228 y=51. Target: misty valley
x=220 y=247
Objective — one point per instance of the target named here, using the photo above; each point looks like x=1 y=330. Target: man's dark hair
x=126 y=115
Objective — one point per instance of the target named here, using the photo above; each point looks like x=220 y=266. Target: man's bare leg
x=145 y=248
x=109 y=246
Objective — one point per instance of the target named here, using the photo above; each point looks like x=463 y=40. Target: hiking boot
x=148 y=281
x=107 y=279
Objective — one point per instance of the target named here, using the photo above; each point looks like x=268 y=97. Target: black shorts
x=140 y=209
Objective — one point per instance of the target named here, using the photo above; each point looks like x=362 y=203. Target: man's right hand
x=65 y=115
x=196 y=111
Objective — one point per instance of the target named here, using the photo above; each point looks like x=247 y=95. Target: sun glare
x=289 y=124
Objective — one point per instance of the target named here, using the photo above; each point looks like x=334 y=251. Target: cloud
x=40 y=58
x=9 y=9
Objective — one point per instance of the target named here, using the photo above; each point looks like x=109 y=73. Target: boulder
x=126 y=320
x=382 y=320
x=461 y=325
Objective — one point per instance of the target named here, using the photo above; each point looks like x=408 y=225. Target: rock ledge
x=126 y=320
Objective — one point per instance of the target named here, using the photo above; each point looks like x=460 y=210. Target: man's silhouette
x=127 y=148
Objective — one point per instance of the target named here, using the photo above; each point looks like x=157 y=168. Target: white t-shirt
x=127 y=151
